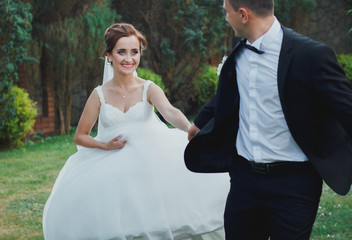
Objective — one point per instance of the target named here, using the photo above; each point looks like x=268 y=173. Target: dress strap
x=145 y=90
x=100 y=94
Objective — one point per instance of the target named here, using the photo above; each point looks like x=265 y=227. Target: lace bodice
x=114 y=122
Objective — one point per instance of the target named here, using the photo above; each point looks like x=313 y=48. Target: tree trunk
x=68 y=99
x=61 y=119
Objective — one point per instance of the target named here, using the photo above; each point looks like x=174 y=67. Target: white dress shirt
x=263 y=134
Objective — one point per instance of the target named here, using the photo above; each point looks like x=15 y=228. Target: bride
x=130 y=181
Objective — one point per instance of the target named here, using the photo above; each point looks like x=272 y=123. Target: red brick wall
x=46 y=123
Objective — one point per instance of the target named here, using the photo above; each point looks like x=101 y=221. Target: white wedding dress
x=142 y=191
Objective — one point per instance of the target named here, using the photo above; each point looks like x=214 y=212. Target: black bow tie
x=244 y=44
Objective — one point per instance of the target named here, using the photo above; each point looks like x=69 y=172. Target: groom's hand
x=192 y=131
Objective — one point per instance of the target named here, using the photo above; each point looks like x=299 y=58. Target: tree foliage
x=289 y=12
x=93 y=23
x=349 y=12
x=15 y=27
x=46 y=12
x=71 y=47
x=182 y=36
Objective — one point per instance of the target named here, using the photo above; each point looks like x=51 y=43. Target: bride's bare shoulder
x=140 y=80
x=106 y=85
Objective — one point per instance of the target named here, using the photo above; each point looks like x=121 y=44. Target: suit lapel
x=227 y=93
x=284 y=61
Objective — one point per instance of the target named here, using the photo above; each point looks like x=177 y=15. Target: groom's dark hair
x=259 y=7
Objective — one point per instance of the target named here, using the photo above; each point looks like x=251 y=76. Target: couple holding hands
x=279 y=124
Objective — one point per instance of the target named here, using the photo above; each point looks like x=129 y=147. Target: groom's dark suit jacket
x=316 y=100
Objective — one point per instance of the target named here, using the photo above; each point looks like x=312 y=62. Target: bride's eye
x=121 y=52
x=135 y=51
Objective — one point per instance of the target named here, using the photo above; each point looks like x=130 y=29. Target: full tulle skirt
x=142 y=191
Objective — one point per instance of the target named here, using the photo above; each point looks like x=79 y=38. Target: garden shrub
x=149 y=75
x=205 y=85
x=15 y=128
x=15 y=32
x=346 y=63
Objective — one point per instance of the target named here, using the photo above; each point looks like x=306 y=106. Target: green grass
x=334 y=218
x=27 y=175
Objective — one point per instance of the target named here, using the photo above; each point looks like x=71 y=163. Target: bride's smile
x=128 y=65
x=125 y=56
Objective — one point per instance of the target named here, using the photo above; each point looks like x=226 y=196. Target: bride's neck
x=123 y=80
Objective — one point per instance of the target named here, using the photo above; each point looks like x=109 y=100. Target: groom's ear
x=245 y=14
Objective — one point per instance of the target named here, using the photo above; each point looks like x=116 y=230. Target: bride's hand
x=116 y=143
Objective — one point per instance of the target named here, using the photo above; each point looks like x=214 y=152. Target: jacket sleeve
x=334 y=87
x=206 y=113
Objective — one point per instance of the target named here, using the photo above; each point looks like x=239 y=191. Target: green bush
x=16 y=128
x=205 y=85
x=346 y=63
x=15 y=32
x=149 y=75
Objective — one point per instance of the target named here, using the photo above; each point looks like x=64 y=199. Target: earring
x=109 y=61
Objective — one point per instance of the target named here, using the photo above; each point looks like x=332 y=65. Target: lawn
x=28 y=173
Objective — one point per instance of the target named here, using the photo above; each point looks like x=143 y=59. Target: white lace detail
x=145 y=89
x=114 y=122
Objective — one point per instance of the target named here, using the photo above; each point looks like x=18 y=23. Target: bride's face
x=126 y=55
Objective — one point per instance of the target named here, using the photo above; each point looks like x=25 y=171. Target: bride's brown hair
x=119 y=30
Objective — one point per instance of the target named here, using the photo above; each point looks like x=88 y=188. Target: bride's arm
x=171 y=114
x=88 y=118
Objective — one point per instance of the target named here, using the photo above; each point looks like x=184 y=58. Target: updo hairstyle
x=120 y=30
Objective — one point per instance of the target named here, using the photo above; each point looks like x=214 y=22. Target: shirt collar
x=267 y=37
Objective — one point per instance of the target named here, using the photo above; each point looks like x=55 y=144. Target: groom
x=280 y=122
